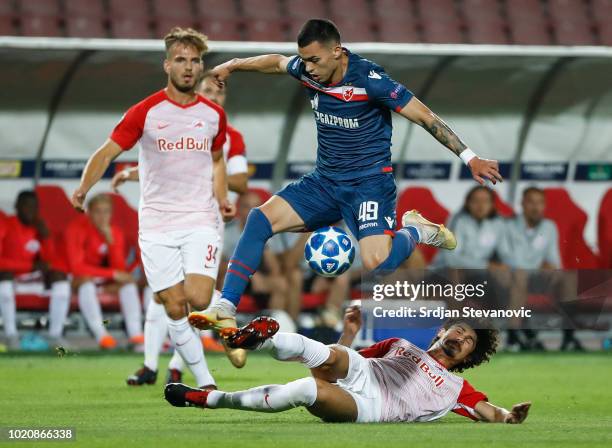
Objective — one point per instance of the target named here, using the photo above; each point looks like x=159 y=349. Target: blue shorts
x=367 y=204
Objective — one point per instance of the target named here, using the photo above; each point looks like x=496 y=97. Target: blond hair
x=98 y=199
x=187 y=37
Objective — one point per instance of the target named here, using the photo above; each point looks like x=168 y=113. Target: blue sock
x=402 y=246
x=247 y=255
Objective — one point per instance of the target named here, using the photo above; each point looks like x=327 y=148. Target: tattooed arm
x=420 y=114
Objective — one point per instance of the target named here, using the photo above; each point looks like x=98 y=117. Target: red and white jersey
x=175 y=164
x=416 y=387
x=234 y=151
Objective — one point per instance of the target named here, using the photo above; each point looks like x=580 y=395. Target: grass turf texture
x=571 y=394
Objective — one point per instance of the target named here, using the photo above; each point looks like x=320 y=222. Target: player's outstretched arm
x=227 y=209
x=352 y=325
x=420 y=114
x=128 y=174
x=94 y=170
x=238 y=183
x=488 y=412
x=267 y=63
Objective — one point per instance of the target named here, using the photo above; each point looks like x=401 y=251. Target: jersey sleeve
x=382 y=89
x=295 y=67
x=219 y=139
x=379 y=349
x=467 y=400
x=129 y=129
x=236 y=156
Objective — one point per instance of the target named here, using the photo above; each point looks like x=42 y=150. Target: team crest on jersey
x=347 y=93
x=314 y=102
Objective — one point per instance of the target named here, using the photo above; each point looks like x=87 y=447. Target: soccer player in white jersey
x=183 y=189
x=156 y=325
x=390 y=381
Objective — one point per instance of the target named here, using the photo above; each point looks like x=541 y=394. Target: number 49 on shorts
x=368 y=211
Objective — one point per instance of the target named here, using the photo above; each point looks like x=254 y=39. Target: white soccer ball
x=329 y=251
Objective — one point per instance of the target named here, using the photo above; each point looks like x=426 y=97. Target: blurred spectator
x=270 y=284
x=479 y=233
x=27 y=254
x=96 y=256
x=531 y=248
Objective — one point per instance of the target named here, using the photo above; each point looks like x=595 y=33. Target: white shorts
x=363 y=387
x=168 y=256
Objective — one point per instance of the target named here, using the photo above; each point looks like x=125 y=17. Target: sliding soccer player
x=391 y=381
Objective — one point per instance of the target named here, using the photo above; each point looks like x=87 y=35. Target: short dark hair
x=532 y=189
x=318 y=30
x=487 y=340
x=24 y=195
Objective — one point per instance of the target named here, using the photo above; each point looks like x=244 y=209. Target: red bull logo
x=182 y=144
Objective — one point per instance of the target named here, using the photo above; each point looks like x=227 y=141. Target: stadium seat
x=503 y=209
x=214 y=9
x=604 y=230
x=528 y=23
x=8 y=19
x=570 y=220
x=396 y=21
x=299 y=9
x=170 y=13
x=602 y=14
x=130 y=19
x=85 y=19
x=40 y=18
x=394 y=10
x=260 y=9
x=403 y=31
x=484 y=22
x=355 y=30
x=349 y=9
x=7 y=25
x=570 y=22
x=422 y=199
x=267 y=30
x=440 y=21
x=221 y=29
x=55 y=208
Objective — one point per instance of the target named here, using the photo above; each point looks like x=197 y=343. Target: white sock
x=155 y=332
x=190 y=348
x=91 y=309
x=271 y=398
x=8 y=308
x=130 y=307
x=226 y=307
x=176 y=362
x=147 y=297
x=58 y=307
x=295 y=347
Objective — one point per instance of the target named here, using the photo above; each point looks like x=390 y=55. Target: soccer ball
x=329 y=251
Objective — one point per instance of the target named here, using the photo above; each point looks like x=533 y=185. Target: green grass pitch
x=571 y=394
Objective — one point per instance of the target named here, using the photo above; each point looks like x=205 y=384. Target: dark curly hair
x=487 y=340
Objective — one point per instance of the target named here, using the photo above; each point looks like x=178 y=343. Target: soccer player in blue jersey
x=352 y=99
